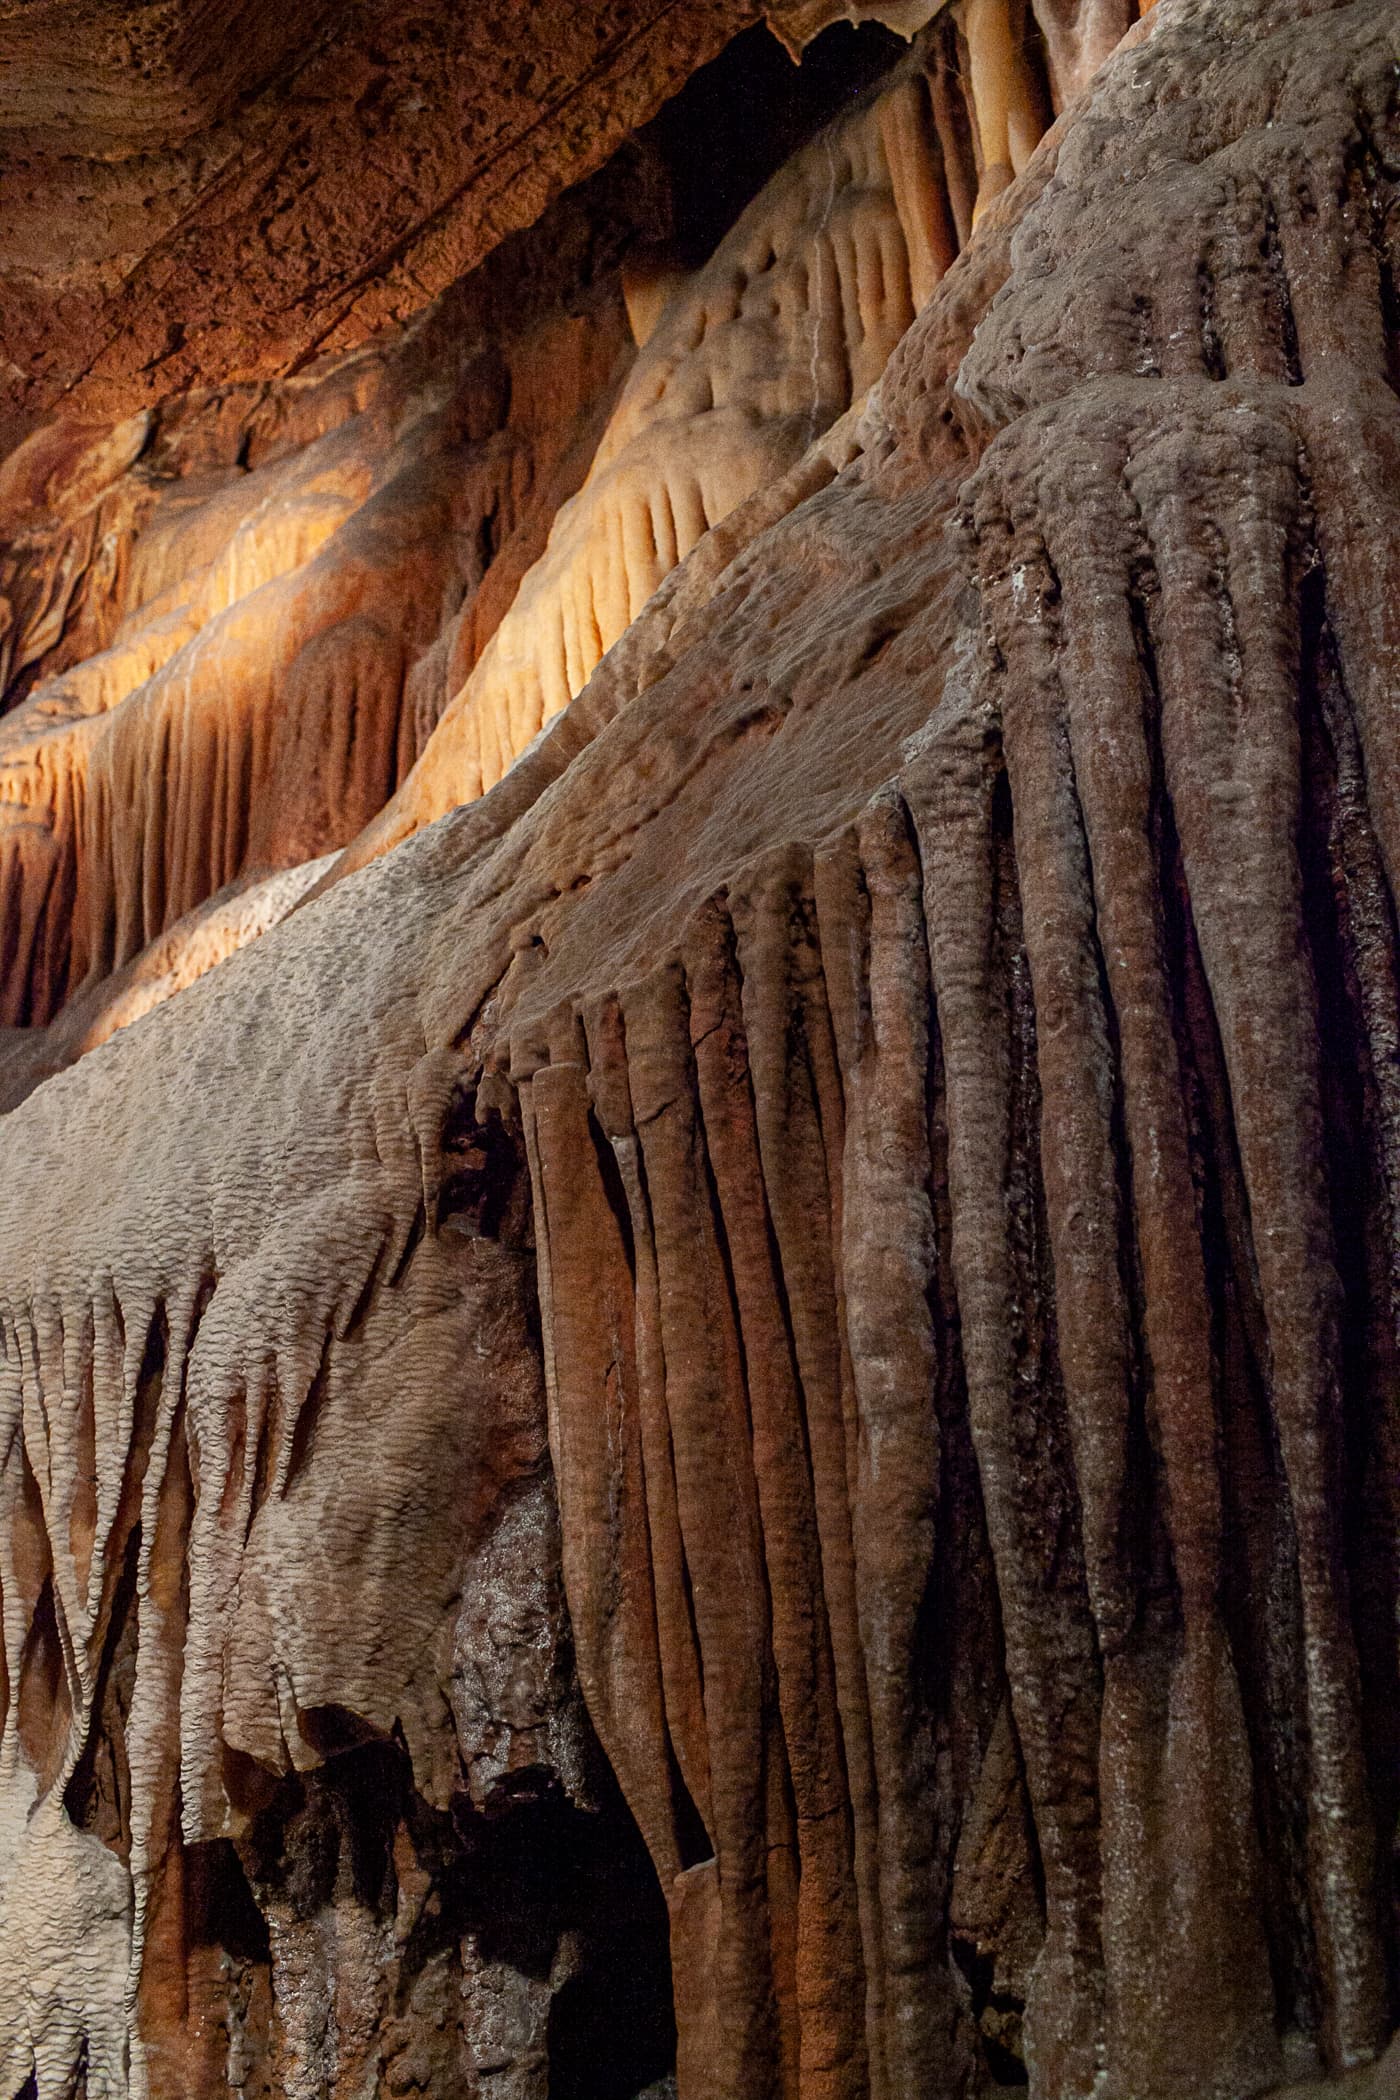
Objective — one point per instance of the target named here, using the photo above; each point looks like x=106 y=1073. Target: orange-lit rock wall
x=243 y=625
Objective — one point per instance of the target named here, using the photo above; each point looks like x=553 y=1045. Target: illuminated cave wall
x=722 y=1419
x=242 y=623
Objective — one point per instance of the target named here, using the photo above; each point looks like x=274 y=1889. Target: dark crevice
x=1352 y=938
x=693 y=1840
x=610 y=1175
x=1212 y=350
x=562 y=1900
x=411 y=1245
x=98 y=1796
x=1272 y=251
x=484 y=1190
x=1259 y=1595
x=307 y=1416
x=997 y=2016
x=750 y=109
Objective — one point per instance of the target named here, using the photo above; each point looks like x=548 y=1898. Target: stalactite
x=789 y=324
x=239 y=626
x=258 y=695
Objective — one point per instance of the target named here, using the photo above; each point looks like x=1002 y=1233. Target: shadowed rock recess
x=700 y=1050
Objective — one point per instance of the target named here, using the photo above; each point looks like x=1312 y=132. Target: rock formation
x=726 y=1410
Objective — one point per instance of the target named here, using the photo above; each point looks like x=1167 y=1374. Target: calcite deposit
x=700 y=1239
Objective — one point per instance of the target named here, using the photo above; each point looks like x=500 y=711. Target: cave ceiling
x=193 y=193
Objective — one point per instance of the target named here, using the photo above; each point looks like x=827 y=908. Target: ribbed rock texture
x=734 y=1416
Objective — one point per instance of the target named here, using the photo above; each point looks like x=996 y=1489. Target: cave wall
x=262 y=619
x=800 y=1283
x=204 y=193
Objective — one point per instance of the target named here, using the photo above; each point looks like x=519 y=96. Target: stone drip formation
x=700 y=1242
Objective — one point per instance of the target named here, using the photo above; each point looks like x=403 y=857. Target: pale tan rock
x=788 y=325
x=797 y=24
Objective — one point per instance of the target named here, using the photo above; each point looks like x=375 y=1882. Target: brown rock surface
x=831 y=1238
x=279 y=586
x=287 y=186
x=196 y=193
x=265 y=574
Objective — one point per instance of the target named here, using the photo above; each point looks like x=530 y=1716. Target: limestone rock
x=268 y=183
x=780 y=1331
